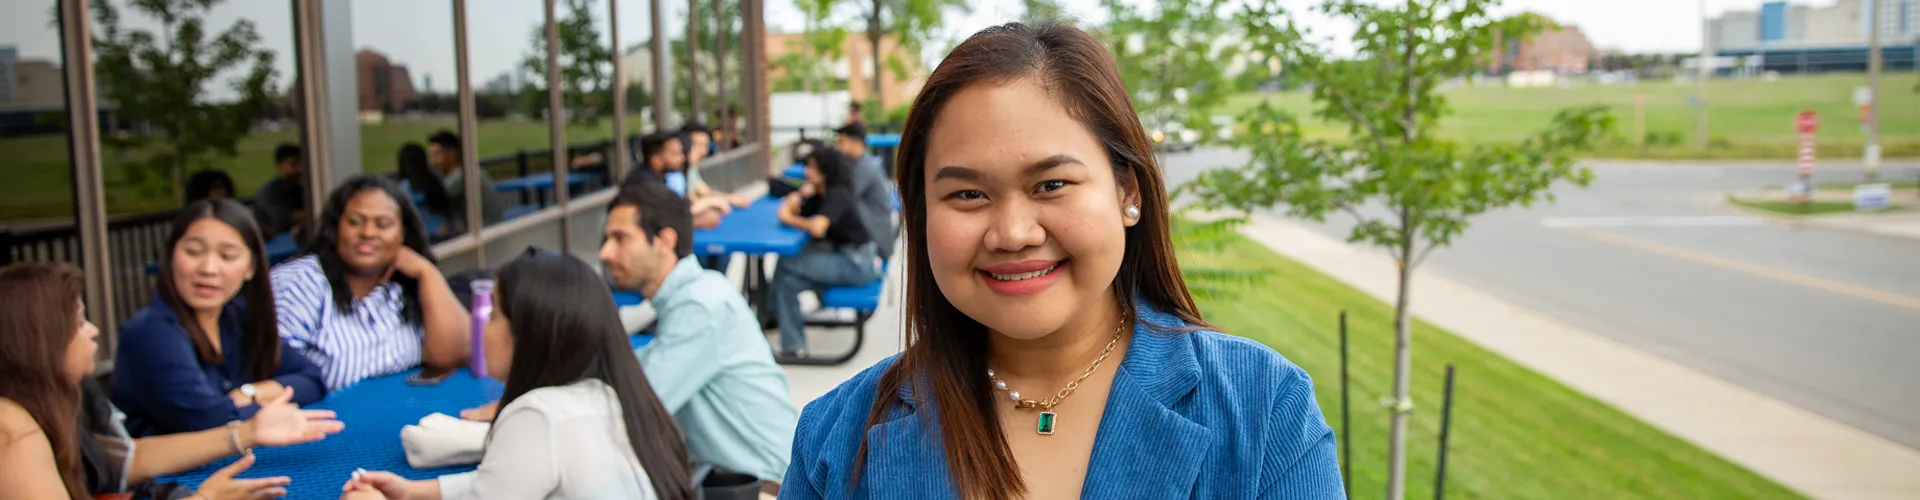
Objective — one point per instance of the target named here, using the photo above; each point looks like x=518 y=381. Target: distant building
x=8 y=56
x=1563 y=50
x=1790 y=26
x=500 y=84
x=1789 y=37
x=383 y=86
x=856 y=67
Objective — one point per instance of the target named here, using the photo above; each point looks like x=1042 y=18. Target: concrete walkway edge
x=1801 y=450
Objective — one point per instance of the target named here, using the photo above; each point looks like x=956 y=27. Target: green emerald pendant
x=1046 y=423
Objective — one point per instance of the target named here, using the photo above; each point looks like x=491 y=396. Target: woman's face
x=814 y=177
x=83 y=347
x=1025 y=224
x=371 y=232
x=497 y=339
x=210 y=263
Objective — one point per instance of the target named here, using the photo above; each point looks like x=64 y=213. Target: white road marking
x=1655 y=221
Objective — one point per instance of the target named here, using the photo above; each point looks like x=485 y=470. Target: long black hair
x=413 y=166
x=566 y=329
x=259 y=329
x=834 y=166
x=200 y=185
x=325 y=243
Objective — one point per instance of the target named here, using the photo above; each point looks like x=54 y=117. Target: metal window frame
x=89 y=189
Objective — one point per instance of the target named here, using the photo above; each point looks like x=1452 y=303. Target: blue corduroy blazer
x=1192 y=414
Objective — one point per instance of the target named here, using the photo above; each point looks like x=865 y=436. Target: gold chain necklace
x=1049 y=419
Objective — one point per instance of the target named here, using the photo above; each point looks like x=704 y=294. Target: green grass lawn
x=1793 y=208
x=1516 y=434
x=1747 y=118
x=40 y=183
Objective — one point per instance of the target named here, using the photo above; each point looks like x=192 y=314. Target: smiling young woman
x=1053 y=349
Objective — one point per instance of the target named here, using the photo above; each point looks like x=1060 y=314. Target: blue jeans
x=814 y=270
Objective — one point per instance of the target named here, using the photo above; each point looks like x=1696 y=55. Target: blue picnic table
x=754 y=229
x=883 y=140
x=374 y=411
x=539 y=185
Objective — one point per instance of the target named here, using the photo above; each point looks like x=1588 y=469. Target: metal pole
x=722 y=102
x=657 y=45
x=693 y=61
x=1346 y=414
x=556 y=126
x=1446 y=425
x=617 y=165
x=469 y=131
x=89 y=189
x=1873 y=88
x=1705 y=65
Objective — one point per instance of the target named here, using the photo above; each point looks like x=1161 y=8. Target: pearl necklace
x=1048 y=419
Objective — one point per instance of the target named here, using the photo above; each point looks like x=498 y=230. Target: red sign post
x=1806 y=123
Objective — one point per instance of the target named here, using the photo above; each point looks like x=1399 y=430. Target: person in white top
x=578 y=418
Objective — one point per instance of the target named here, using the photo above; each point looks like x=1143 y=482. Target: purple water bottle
x=482 y=309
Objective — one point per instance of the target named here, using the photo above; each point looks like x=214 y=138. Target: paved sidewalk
x=1797 y=448
x=1905 y=225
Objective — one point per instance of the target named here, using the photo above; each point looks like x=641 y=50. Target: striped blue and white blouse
x=373 y=340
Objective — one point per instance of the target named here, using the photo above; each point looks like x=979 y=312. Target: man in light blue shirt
x=709 y=361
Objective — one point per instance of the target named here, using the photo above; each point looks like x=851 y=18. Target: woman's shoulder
x=297 y=267
x=581 y=398
x=15 y=422
x=152 y=324
x=1239 y=369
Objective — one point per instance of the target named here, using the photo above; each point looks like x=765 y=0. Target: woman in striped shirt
x=365 y=299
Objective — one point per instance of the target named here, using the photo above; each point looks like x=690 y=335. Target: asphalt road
x=1650 y=256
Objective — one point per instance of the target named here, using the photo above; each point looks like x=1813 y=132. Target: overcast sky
x=419 y=33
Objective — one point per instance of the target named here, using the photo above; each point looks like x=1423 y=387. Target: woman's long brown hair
x=36 y=326
x=946 y=354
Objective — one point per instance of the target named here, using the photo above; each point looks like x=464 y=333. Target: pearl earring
x=1133 y=211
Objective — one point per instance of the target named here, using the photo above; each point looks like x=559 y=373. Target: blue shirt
x=164 y=388
x=1191 y=415
x=373 y=340
x=712 y=368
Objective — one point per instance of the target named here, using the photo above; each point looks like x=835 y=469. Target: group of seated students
x=228 y=349
x=845 y=205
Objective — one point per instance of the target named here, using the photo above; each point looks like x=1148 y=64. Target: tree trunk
x=1402 y=375
x=873 y=40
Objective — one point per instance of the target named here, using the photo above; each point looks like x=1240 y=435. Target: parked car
x=1169 y=134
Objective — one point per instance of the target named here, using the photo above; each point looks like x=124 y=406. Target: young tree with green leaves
x=586 y=68
x=159 y=82
x=804 y=68
x=912 y=23
x=1173 y=55
x=1410 y=189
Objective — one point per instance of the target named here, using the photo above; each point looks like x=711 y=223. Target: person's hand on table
x=282 y=423
x=482 y=413
x=386 y=485
x=739 y=201
x=222 y=485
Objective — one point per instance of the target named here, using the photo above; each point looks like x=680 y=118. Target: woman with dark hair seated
x=60 y=438
x=579 y=419
x=206 y=350
x=365 y=298
x=211 y=183
x=843 y=251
